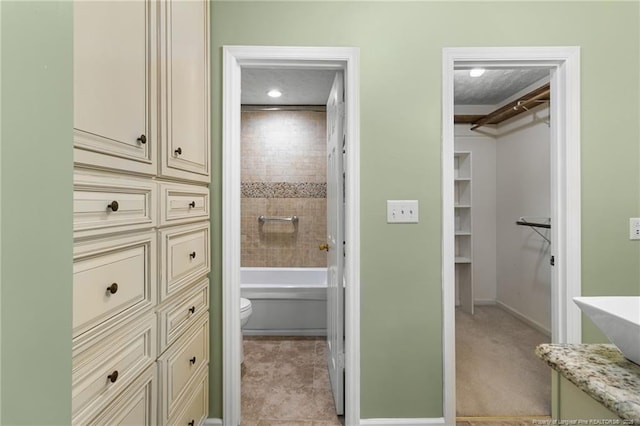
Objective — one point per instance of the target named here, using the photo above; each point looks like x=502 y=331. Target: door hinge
x=552 y=261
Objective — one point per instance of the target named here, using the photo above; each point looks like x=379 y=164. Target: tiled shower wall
x=284 y=173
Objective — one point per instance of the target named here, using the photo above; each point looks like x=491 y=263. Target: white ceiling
x=298 y=87
x=311 y=87
x=495 y=85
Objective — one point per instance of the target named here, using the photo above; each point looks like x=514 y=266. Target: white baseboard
x=484 y=302
x=542 y=329
x=213 y=422
x=402 y=422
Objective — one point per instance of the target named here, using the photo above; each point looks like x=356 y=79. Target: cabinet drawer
x=183 y=203
x=185 y=256
x=105 y=365
x=180 y=314
x=103 y=202
x=196 y=403
x=180 y=364
x=112 y=280
x=135 y=406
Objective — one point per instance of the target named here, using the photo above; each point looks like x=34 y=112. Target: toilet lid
x=245 y=304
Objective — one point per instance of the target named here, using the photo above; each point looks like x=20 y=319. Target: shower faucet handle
x=324 y=247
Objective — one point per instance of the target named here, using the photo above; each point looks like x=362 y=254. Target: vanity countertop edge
x=601 y=371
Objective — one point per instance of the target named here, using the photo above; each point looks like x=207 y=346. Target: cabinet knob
x=114 y=206
x=113 y=376
x=192 y=423
x=178 y=151
x=113 y=288
x=192 y=204
x=192 y=309
x=192 y=360
x=192 y=255
x=142 y=139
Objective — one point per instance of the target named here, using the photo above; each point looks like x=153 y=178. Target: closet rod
x=533 y=224
x=513 y=108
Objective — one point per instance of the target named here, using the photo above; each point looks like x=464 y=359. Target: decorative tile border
x=283 y=190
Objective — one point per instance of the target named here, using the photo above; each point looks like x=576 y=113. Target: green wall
x=401 y=49
x=36 y=228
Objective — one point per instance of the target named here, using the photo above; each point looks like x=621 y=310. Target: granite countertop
x=601 y=371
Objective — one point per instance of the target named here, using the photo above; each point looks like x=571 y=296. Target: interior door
x=335 y=239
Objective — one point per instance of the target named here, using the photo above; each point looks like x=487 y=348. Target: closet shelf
x=462 y=259
x=524 y=103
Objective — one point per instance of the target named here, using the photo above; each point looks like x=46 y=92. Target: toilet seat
x=245 y=305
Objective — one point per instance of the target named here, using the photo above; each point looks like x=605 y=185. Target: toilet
x=245 y=313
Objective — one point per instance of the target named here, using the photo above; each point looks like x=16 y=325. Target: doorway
x=563 y=64
x=291 y=222
x=235 y=60
x=503 y=271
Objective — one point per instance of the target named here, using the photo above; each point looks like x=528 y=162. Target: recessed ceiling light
x=476 y=72
x=274 y=93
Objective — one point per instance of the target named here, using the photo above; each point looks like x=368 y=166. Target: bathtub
x=285 y=301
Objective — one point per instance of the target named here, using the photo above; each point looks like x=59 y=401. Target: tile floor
x=285 y=382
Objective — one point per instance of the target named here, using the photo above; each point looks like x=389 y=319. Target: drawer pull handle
x=192 y=423
x=192 y=309
x=113 y=288
x=142 y=139
x=192 y=255
x=178 y=151
x=114 y=206
x=192 y=360
x=192 y=204
x=113 y=376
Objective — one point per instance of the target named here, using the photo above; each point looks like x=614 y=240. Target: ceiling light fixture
x=476 y=72
x=274 y=93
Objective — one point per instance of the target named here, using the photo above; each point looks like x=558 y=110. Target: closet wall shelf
x=532 y=99
x=524 y=222
x=533 y=225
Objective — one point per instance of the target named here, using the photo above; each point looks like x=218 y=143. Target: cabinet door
x=115 y=81
x=185 y=105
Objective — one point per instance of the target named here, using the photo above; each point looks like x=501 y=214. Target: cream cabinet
x=141 y=87
x=185 y=102
x=141 y=212
x=115 y=76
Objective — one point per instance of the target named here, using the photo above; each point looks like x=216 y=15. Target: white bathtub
x=285 y=301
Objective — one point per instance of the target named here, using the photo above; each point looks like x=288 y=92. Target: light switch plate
x=402 y=211
x=634 y=228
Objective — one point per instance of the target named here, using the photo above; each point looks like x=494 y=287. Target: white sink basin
x=619 y=319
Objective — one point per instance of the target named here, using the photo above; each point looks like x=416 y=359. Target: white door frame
x=234 y=59
x=565 y=190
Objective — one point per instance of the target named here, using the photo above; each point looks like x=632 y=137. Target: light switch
x=634 y=228
x=402 y=211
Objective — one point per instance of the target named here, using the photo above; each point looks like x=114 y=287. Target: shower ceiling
x=298 y=87
x=311 y=87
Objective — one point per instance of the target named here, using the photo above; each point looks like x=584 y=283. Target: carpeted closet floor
x=497 y=372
